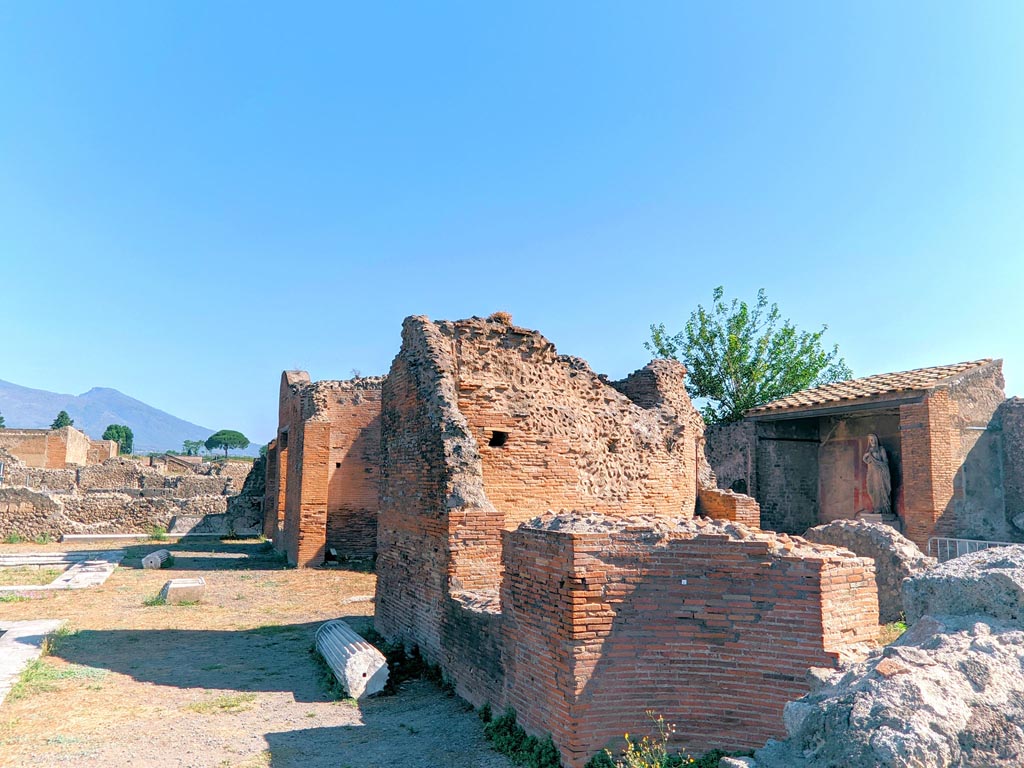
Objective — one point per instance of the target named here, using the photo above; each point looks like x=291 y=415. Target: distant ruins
x=954 y=444
x=56 y=448
x=123 y=495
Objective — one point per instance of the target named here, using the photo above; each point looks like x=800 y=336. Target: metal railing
x=946 y=549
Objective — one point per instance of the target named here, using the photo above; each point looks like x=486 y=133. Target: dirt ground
x=228 y=683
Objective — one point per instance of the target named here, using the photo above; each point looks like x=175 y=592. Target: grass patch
x=13 y=538
x=227 y=704
x=155 y=600
x=11 y=597
x=158 y=533
x=40 y=676
x=14 y=577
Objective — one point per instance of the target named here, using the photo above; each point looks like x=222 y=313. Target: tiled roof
x=918 y=380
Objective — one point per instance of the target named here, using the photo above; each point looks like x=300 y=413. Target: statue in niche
x=879 y=479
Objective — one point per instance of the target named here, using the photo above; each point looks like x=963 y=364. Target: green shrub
x=508 y=738
x=13 y=538
x=158 y=533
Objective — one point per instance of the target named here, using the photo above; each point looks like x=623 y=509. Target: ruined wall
x=333 y=469
x=708 y=624
x=842 y=473
x=953 y=461
x=101 y=450
x=289 y=418
x=73 y=444
x=1011 y=418
x=123 y=496
x=719 y=504
x=270 y=521
x=553 y=435
x=29 y=445
x=978 y=506
x=732 y=452
x=787 y=474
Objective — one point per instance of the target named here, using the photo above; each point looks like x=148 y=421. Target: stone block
x=360 y=668
x=183 y=590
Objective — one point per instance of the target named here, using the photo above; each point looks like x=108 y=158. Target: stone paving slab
x=83 y=574
x=21 y=643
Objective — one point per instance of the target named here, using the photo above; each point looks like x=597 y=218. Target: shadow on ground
x=210 y=555
x=268 y=658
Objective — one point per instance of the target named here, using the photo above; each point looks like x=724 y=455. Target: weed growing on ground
x=226 y=704
x=158 y=533
x=40 y=676
x=43 y=538
x=11 y=597
x=13 y=538
x=19 y=576
x=508 y=738
x=652 y=752
x=149 y=602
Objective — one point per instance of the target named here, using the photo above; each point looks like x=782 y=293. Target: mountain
x=154 y=430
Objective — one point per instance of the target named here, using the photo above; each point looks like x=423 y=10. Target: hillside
x=154 y=430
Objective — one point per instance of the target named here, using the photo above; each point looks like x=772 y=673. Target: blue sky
x=195 y=196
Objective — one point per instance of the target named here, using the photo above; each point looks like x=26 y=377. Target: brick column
x=310 y=540
x=929 y=447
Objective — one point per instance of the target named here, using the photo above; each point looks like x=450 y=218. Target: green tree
x=62 y=420
x=739 y=356
x=2 y=424
x=122 y=433
x=192 y=447
x=226 y=438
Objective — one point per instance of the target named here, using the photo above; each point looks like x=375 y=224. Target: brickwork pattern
x=718 y=504
x=709 y=624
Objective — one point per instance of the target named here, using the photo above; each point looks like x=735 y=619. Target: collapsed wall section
x=709 y=624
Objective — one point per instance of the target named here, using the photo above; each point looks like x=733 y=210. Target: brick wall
x=582 y=631
x=732 y=451
x=929 y=466
x=719 y=504
x=787 y=474
x=706 y=623
x=29 y=445
x=101 y=450
x=270 y=504
x=331 y=471
x=1012 y=420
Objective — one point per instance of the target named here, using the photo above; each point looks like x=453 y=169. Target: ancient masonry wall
x=1011 y=417
x=331 y=473
x=101 y=450
x=122 y=496
x=575 y=626
x=711 y=625
x=47 y=448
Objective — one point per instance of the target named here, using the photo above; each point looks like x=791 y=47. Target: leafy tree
x=123 y=434
x=62 y=420
x=192 y=447
x=2 y=424
x=263 y=448
x=226 y=438
x=740 y=356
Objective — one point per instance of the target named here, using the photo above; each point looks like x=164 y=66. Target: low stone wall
x=896 y=557
x=123 y=496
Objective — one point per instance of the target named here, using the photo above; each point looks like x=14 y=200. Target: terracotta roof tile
x=918 y=380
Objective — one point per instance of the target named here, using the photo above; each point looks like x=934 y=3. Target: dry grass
x=15 y=577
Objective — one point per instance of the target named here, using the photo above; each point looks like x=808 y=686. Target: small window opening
x=337 y=465
x=283 y=441
x=613 y=446
x=498 y=439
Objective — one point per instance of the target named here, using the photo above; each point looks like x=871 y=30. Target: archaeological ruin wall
x=123 y=496
x=493 y=448
x=48 y=448
x=326 y=476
